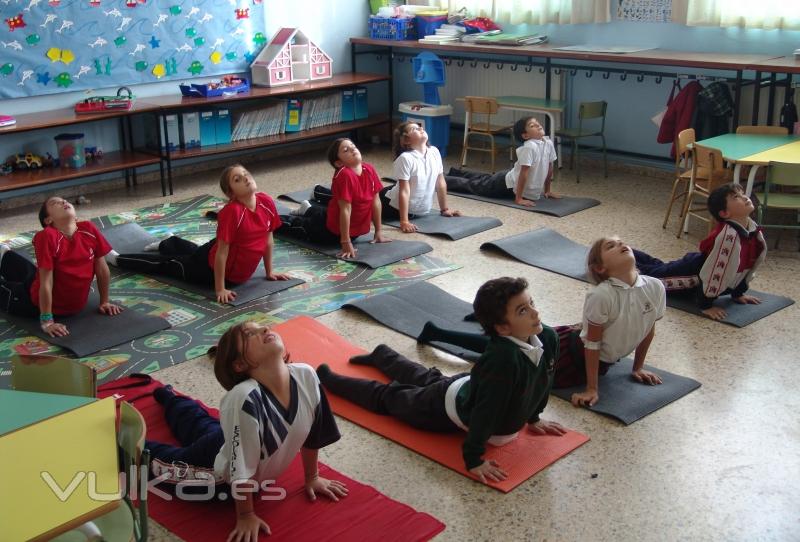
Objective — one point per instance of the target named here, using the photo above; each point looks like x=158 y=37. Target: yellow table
x=785 y=153
x=58 y=463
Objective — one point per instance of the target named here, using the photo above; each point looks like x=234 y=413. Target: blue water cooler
x=430 y=113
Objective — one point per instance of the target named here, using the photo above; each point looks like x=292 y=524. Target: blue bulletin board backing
x=49 y=46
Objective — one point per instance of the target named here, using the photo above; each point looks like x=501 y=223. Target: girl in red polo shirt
x=244 y=237
x=69 y=254
x=344 y=212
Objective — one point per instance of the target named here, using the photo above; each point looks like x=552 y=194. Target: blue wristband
x=46 y=317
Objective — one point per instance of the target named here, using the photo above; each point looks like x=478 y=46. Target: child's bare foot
x=552 y=195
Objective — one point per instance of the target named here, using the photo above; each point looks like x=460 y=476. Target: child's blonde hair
x=398 y=147
x=594 y=261
x=225 y=179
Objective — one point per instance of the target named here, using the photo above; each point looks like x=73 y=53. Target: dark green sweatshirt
x=505 y=391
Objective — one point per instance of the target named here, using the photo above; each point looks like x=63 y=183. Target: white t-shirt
x=421 y=170
x=626 y=313
x=537 y=154
x=262 y=437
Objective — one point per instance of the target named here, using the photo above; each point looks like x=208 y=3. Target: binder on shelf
x=190 y=130
x=223 y=126
x=348 y=105
x=208 y=128
x=294 y=109
x=360 y=103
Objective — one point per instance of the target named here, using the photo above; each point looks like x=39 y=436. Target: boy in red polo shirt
x=345 y=211
x=244 y=237
x=69 y=254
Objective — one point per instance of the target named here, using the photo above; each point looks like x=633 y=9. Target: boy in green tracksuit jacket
x=506 y=390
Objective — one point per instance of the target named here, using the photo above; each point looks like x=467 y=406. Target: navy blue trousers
x=489 y=185
x=689 y=265
x=176 y=258
x=16 y=277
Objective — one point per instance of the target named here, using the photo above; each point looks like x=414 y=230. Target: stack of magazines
x=498 y=37
x=321 y=110
x=263 y=122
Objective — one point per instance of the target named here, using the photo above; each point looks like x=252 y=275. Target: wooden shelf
x=280 y=139
x=66 y=117
x=110 y=162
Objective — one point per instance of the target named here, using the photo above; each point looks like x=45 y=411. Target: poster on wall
x=49 y=46
x=648 y=11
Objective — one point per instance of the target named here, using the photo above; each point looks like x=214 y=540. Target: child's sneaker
x=305 y=205
x=153 y=247
x=111 y=257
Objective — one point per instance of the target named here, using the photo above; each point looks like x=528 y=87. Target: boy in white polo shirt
x=619 y=317
x=528 y=181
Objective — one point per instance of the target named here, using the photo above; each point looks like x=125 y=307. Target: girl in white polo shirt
x=619 y=316
x=419 y=173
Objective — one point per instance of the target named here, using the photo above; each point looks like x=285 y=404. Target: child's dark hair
x=397 y=138
x=718 y=199
x=519 y=129
x=333 y=151
x=225 y=179
x=43 y=214
x=491 y=301
x=226 y=353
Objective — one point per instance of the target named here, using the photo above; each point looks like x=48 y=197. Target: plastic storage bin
x=434 y=118
x=391 y=28
x=71 y=151
x=428 y=21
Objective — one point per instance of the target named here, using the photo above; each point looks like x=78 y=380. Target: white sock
x=305 y=205
x=111 y=257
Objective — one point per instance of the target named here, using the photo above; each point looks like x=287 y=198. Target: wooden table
x=52 y=444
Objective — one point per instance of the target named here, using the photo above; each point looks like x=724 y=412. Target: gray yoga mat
x=549 y=250
x=407 y=309
x=627 y=400
x=132 y=238
x=453 y=227
x=372 y=255
x=546 y=249
x=91 y=332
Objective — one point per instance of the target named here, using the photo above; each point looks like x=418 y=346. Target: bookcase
x=155 y=109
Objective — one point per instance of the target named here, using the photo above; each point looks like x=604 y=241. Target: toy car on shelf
x=26 y=161
x=100 y=104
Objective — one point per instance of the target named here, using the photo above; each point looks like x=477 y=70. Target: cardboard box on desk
x=208 y=128
x=190 y=130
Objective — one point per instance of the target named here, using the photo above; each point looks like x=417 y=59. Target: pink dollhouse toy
x=290 y=57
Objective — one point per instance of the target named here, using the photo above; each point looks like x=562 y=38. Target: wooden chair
x=683 y=171
x=586 y=111
x=762 y=130
x=780 y=175
x=52 y=374
x=128 y=521
x=478 y=122
x=708 y=173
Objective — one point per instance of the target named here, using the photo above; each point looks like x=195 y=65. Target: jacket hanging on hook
x=679 y=114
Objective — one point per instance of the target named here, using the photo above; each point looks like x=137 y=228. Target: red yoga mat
x=311 y=342
x=365 y=514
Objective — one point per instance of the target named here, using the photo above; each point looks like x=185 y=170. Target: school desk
x=51 y=444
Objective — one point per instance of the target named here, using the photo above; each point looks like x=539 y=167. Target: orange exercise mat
x=311 y=342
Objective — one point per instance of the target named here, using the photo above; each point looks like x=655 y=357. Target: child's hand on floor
x=543 y=427
x=525 y=202
x=55 y=330
x=348 y=251
x=278 y=276
x=247 y=528
x=379 y=238
x=407 y=227
x=646 y=377
x=586 y=398
x=109 y=309
x=747 y=300
x=225 y=296
x=450 y=212
x=552 y=195
x=715 y=313
x=333 y=489
x=491 y=470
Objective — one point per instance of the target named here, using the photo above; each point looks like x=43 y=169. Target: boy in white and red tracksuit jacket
x=727 y=259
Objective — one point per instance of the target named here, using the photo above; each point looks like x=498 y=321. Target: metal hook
x=557 y=71
x=460 y=62
x=640 y=78
x=606 y=75
x=573 y=71
x=542 y=69
x=473 y=63
x=401 y=58
x=658 y=80
x=486 y=65
x=623 y=76
x=528 y=68
x=514 y=67
x=378 y=57
x=448 y=61
x=588 y=73
x=499 y=65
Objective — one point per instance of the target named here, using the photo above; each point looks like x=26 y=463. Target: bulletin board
x=49 y=46
x=650 y=11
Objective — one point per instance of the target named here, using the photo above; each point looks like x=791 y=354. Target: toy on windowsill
x=101 y=104
x=229 y=85
x=290 y=57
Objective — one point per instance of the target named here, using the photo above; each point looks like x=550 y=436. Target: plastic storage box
x=207 y=91
x=71 y=152
x=383 y=28
x=434 y=118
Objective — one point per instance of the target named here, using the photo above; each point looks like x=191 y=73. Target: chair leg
x=492 y=147
x=672 y=199
x=577 y=161
x=464 y=150
x=605 y=162
x=684 y=212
